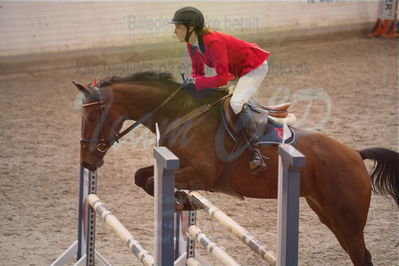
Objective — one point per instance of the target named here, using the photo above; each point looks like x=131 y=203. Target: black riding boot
x=249 y=132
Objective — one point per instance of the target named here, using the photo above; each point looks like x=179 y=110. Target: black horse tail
x=385 y=173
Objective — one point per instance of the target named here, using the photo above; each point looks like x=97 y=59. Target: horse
x=334 y=181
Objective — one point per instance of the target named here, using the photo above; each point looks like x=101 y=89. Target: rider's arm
x=218 y=54
x=197 y=64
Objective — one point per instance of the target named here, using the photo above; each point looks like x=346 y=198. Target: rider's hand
x=189 y=84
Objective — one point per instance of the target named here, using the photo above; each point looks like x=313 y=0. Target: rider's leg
x=245 y=90
x=247 y=127
x=247 y=87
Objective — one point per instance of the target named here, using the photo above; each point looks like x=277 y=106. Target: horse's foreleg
x=144 y=178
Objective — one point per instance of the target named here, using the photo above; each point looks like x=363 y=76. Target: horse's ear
x=82 y=88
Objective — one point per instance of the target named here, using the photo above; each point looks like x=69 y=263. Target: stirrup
x=261 y=164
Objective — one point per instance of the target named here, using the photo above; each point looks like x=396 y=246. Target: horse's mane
x=162 y=77
x=187 y=101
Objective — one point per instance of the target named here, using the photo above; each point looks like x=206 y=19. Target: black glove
x=189 y=85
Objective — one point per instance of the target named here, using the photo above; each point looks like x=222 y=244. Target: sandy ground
x=350 y=82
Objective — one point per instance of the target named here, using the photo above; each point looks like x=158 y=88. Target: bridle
x=102 y=144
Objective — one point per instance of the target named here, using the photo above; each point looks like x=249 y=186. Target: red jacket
x=231 y=57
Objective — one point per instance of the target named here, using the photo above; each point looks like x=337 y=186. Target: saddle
x=261 y=114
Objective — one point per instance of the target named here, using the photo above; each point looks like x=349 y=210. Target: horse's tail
x=385 y=173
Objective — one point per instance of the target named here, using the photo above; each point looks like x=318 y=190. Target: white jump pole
x=233 y=227
x=124 y=234
x=195 y=233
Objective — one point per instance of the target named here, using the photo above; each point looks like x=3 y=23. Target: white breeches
x=247 y=86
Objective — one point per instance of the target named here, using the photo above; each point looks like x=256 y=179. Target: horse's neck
x=140 y=99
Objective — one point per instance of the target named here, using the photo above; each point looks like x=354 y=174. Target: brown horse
x=334 y=181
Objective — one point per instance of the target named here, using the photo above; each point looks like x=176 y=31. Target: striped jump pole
x=113 y=222
x=192 y=262
x=236 y=229
x=195 y=233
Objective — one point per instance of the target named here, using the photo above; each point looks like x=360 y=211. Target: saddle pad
x=274 y=134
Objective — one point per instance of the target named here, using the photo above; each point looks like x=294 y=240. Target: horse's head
x=101 y=122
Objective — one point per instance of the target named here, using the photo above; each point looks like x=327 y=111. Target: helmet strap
x=188 y=34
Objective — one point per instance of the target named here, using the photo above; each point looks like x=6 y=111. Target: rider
x=231 y=57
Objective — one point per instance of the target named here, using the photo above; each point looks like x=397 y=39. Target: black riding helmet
x=189 y=16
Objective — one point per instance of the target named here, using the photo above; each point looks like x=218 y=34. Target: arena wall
x=43 y=27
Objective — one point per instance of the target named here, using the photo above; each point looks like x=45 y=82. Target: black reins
x=147 y=116
x=103 y=145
